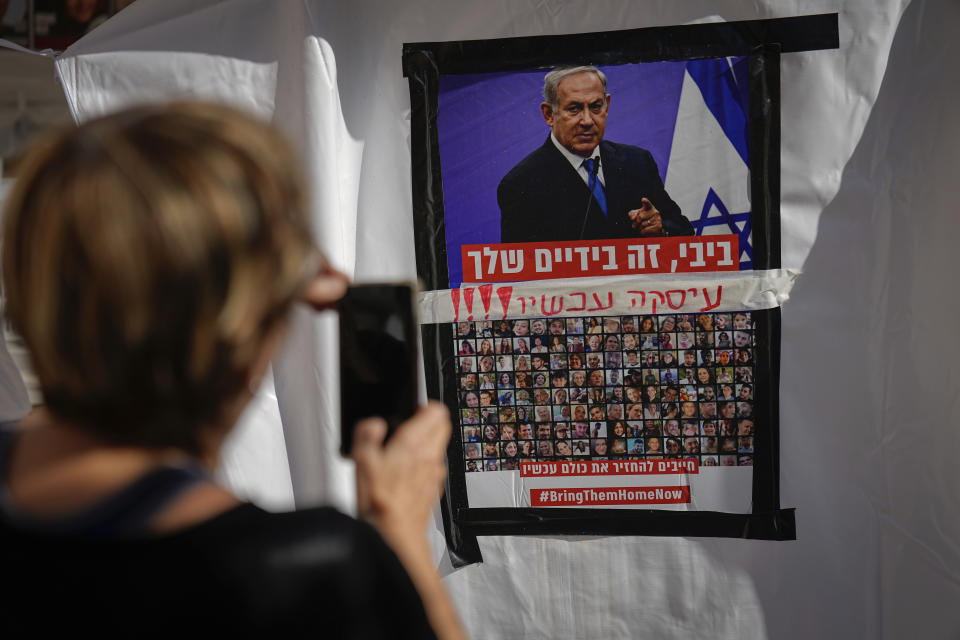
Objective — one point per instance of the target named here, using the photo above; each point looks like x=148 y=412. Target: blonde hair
x=146 y=255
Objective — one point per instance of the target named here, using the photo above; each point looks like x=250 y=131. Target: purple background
x=488 y=122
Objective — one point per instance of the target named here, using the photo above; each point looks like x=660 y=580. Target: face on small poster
x=623 y=170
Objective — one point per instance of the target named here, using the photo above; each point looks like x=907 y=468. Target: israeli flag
x=709 y=170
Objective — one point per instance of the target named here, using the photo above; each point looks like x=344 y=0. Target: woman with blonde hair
x=151 y=259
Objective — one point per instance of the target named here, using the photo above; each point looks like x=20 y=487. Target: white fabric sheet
x=868 y=427
x=14 y=401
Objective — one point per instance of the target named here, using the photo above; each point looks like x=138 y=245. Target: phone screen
x=378 y=367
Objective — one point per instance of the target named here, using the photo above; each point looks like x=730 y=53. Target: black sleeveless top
x=315 y=571
x=122 y=515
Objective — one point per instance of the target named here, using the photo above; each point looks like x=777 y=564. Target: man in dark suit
x=579 y=186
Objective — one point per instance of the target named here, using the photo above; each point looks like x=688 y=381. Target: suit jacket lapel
x=571 y=191
x=615 y=185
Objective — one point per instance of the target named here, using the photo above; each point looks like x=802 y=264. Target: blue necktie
x=595 y=186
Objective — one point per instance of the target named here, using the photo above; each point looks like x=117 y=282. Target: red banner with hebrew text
x=518 y=261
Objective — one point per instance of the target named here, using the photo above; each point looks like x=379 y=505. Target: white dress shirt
x=577 y=161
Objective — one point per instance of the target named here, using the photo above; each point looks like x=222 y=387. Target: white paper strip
x=692 y=293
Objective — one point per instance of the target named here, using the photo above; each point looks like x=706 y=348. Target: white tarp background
x=867 y=396
x=14 y=402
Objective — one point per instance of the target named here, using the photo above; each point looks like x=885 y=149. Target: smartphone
x=379 y=375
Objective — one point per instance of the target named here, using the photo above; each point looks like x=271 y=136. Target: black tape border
x=682 y=42
x=763 y=41
x=778 y=524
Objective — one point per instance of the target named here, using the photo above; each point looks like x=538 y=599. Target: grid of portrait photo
x=606 y=387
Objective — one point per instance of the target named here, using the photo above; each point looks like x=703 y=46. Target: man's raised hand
x=646 y=220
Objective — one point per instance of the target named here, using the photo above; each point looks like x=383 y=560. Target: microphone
x=593 y=178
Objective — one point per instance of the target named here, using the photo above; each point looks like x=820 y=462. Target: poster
x=556 y=397
x=598 y=229
x=14 y=21
x=53 y=24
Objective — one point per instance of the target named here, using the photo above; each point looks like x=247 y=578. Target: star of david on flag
x=709 y=170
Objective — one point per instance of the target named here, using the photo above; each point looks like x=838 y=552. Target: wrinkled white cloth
x=866 y=389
